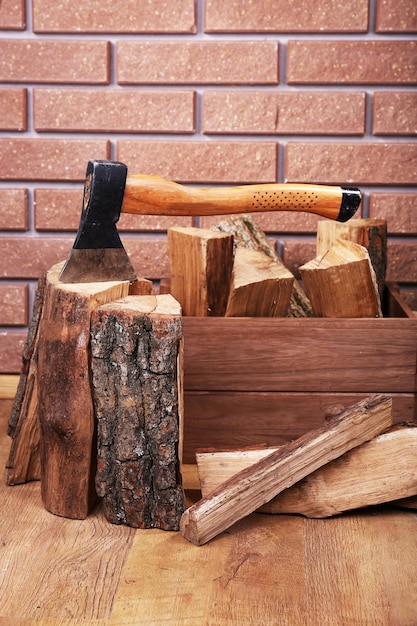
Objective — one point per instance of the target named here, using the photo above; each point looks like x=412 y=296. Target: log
x=201 y=263
x=65 y=405
x=253 y=487
x=379 y=471
x=369 y=233
x=247 y=235
x=342 y=283
x=260 y=287
x=23 y=464
x=136 y=351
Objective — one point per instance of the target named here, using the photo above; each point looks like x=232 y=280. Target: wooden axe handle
x=154 y=195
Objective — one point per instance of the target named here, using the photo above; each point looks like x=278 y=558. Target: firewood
x=378 y=471
x=247 y=235
x=254 y=486
x=369 y=233
x=140 y=287
x=136 y=346
x=23 y=464
x=65 y=405
x=201 y=263
x=342 y=283
x=260 y=287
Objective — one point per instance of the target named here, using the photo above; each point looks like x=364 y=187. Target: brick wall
x=207 y=92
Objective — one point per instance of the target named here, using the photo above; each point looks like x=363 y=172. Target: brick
x=11 y=348
x=110 y=16
x=202 y=161
x=123 y=110
x=399 y=209
x=269 y=112
x=282 y=16
x=54 y=61
x=48 y=159
x=395 y=113
x=14 y=305
x=402 y=262
x=29 y=257
x=352 y=163
x=60 y=209
x=13 y=209
x=203 y=62
x=396 y=16
x=296 y=253
x=12 y=15
x=13 y=114
x=352 y=62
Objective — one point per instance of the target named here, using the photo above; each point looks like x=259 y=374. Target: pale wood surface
x=379 y=471
x=257 y=484
x=359 y=569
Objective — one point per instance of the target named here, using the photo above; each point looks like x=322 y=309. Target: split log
x=136 y=346
x=201 y=263
x=369 y=233
x=260 y=287
x=253 y=487
x=379 y=471
x=141 y=287
x=247 y=235
x=65 y=404
x=342 y=283
x=23 y=464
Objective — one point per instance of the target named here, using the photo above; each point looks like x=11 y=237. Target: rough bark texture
x=66 y=414
x=247 y=234
x=137 y=379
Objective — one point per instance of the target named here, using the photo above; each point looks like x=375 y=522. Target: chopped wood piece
x=378 y=471
x=201 y=263
x=247 y=235
x=65 y=404
x=23 y=464
x=369 y=233
x=136 y=350
x=341 y=282
x=254 y=486
x=260 y=287
x=140 y=287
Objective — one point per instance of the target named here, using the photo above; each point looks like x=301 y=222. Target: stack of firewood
x=232 y=270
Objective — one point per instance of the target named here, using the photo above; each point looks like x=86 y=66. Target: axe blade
x=98 y=254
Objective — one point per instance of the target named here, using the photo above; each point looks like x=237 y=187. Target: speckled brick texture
x=203 y=92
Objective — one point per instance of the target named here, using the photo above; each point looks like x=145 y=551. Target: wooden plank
x=311 y=355
x=8 y=385
x=239 y=419
x=252 y=487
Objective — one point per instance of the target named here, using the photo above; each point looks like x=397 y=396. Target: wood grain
x=307 y=355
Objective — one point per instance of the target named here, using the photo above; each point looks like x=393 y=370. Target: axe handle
x=154 y=195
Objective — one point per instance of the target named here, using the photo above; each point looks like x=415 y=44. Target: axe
x=98 y=253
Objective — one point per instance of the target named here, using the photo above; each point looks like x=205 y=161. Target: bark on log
x=369 y=233
x=65 y=406
x=252 y=487
x=248 y=235
x=342 y=283
x=137 y=377
x=379 y=471
x=23 y=464
x=201 y=263
x=260 y=287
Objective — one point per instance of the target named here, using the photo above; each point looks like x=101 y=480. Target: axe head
x=98 y=254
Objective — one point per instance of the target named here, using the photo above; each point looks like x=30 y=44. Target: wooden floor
x=357 y=569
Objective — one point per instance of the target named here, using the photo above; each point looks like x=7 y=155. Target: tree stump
x=137 y=379
x=65 y=405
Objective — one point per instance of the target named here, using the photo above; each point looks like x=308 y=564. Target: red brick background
x=204 y=92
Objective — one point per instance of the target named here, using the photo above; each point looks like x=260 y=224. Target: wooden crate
x=266 y=380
